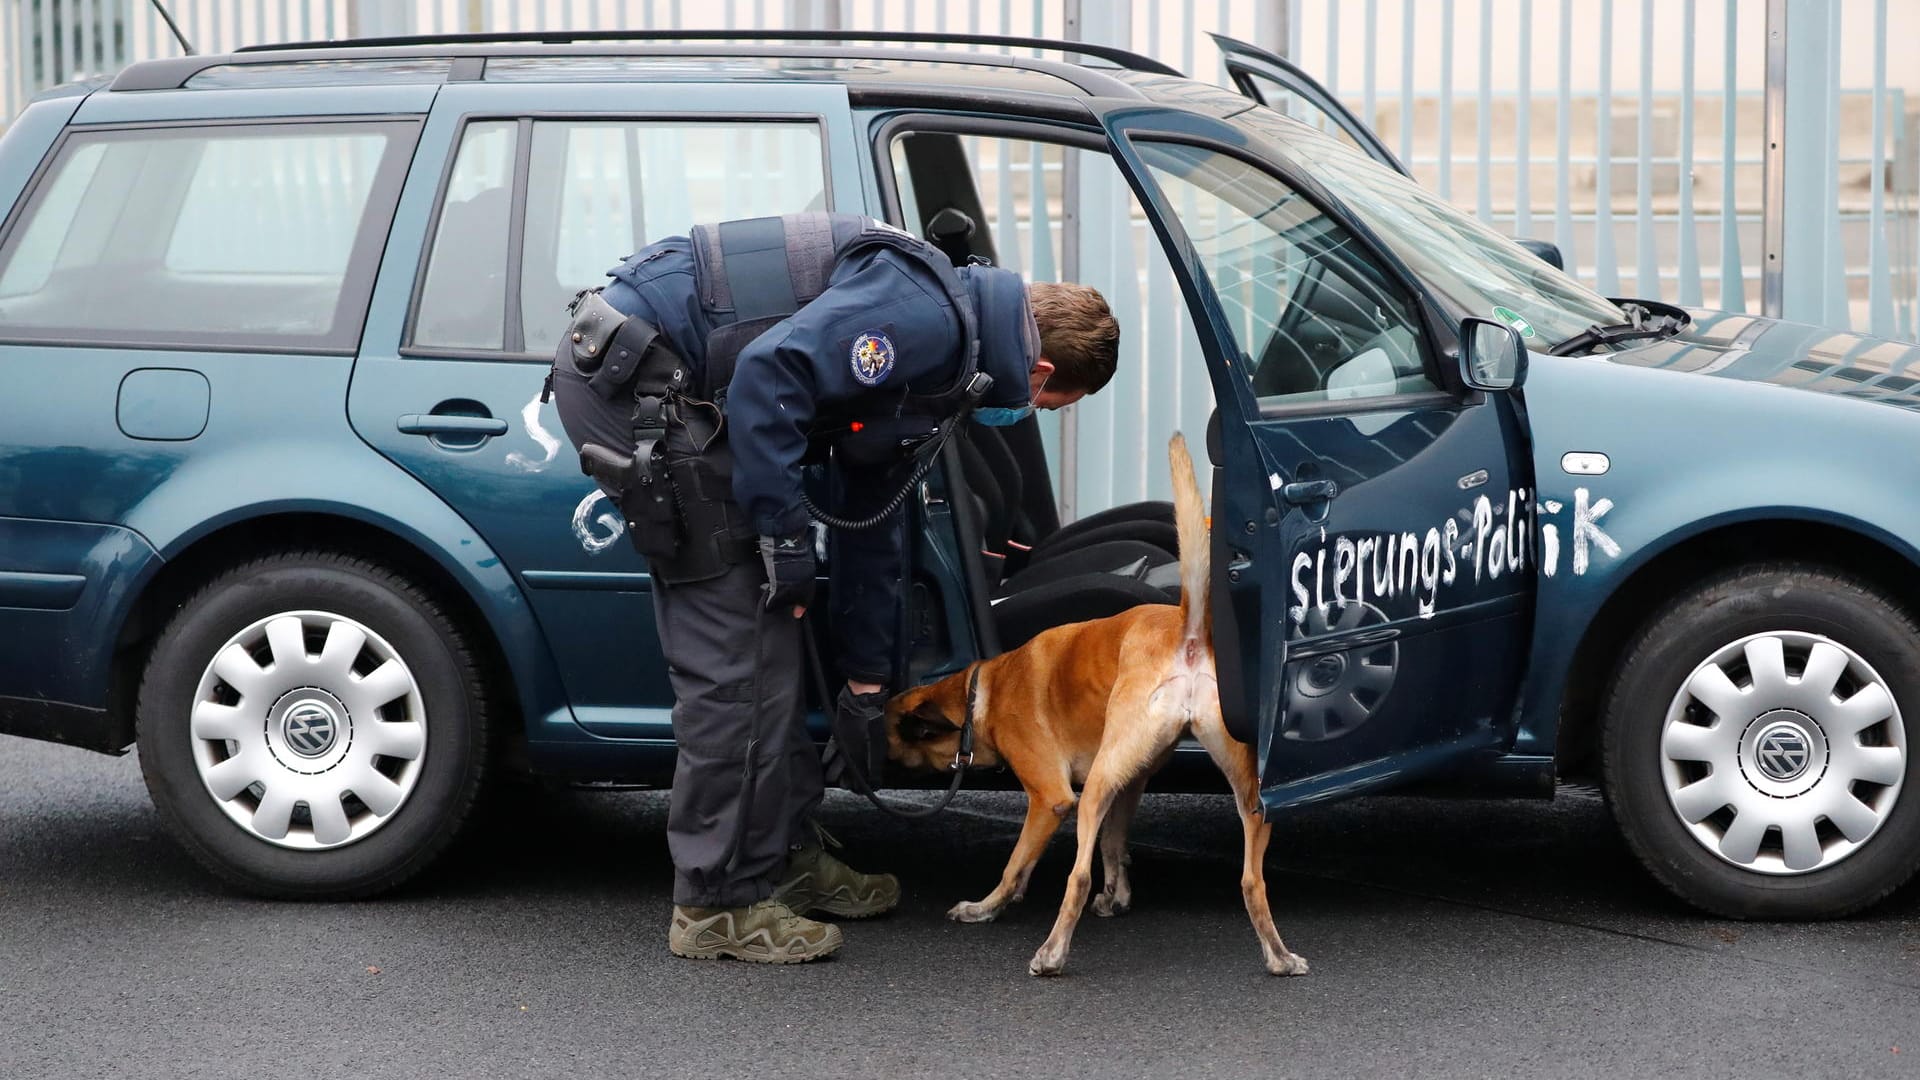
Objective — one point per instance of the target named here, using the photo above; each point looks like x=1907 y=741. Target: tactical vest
x=754 y=273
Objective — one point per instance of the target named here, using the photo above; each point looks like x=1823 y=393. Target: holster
x=675 y=489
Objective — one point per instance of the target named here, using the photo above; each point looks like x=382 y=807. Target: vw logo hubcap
x=1782 y=751
x=309 y=728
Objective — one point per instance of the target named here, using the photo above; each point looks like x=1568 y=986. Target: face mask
x=1002 y=417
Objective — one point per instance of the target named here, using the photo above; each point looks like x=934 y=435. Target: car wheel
x=1756 y=744
x=311 y=725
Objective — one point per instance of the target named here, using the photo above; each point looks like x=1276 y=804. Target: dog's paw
x=1287 y=964
x=1048 y=961
x=968 y=911
x=1107 y=906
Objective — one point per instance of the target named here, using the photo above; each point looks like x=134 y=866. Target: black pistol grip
x=612 y=469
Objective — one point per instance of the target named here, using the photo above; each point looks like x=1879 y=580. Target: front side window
x=1316 y=316
x=223 y=237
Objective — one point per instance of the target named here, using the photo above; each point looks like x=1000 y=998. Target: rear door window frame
x=357 y=280
x=516 y=222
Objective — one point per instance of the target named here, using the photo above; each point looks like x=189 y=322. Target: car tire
x=305 y=679
x=1703 y=724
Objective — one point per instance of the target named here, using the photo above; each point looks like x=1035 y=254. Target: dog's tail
x=1190 y=519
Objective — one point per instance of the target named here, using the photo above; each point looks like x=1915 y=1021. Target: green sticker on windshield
x=1512 y=318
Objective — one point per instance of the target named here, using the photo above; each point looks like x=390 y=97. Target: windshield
x=1473 y=266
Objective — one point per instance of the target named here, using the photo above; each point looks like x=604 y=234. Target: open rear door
x=1280 y=85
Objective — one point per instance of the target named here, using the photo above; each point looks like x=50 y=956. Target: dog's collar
x=963 y=757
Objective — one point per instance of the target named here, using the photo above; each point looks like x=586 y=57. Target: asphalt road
x=1447 y=939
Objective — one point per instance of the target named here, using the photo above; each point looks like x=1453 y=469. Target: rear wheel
x=1756 y=745
x=311 y=725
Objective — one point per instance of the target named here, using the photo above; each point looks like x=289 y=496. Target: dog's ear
x=925 y=721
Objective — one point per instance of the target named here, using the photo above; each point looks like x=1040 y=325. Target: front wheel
x=311 y=725
x=1755 y=744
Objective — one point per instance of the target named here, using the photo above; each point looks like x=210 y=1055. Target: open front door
x=1280 y=85
x=1371 y=520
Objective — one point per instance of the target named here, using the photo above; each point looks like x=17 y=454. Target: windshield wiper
x=1646 y=324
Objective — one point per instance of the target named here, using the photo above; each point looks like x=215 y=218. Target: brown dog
x=1101 y=704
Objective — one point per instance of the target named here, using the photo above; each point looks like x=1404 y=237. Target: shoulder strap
x=756 y=272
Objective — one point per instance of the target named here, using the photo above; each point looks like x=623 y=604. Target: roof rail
x=1132 y=61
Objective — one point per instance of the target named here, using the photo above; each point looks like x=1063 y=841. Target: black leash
x=962 y=758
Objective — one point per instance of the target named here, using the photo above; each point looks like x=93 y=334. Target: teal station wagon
x=279 y=503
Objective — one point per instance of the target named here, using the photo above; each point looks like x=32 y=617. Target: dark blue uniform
x=805 y=371
x=881 y=336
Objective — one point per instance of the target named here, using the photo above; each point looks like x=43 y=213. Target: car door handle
x=1308 y=492
x=439 y=424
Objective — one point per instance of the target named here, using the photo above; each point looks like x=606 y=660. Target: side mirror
x=1547 y=252
x=1492 y=356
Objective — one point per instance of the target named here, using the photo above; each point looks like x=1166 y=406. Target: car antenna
x=185 y=45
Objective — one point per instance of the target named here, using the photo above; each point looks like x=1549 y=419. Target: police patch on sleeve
x=872 y=357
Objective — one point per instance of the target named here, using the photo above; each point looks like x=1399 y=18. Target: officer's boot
x=818 y=883
x=765 y=933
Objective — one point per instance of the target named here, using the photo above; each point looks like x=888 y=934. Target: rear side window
x=233 y=237
x=595 y=191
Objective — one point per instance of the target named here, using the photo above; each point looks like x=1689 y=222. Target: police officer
x=697 y=385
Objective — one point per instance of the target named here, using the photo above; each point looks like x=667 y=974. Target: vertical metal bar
x=1406 y=81
x=1009 y=239
x=1446 y=99
x=1773 y=208
x=1879 y=279
x=1688 y=291
x=1271 y=21
x=1563 y=122
x=12 y=94
x=1040 y=227
x=1483 y=118
x=70 y=35
x=45 y=60
x=1332 y=81
x=1523 y=130
x=1370 y=71
x=87 y=16
x=1733 y=271
x=1647 y=256
x=1067 y=479
x=1836 y=310
x=1606 y=269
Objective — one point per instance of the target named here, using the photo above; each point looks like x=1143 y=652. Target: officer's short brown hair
x=1078 y=334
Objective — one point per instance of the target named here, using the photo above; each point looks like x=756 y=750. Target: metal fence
x=1756 y=156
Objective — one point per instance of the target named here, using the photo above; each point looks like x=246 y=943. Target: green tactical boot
x=818 y=882
x=765 y=933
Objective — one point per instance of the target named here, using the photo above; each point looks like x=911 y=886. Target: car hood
x=1752 y=348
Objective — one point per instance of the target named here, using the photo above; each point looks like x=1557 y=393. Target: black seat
x=1033 y=530
x=1103 y=574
